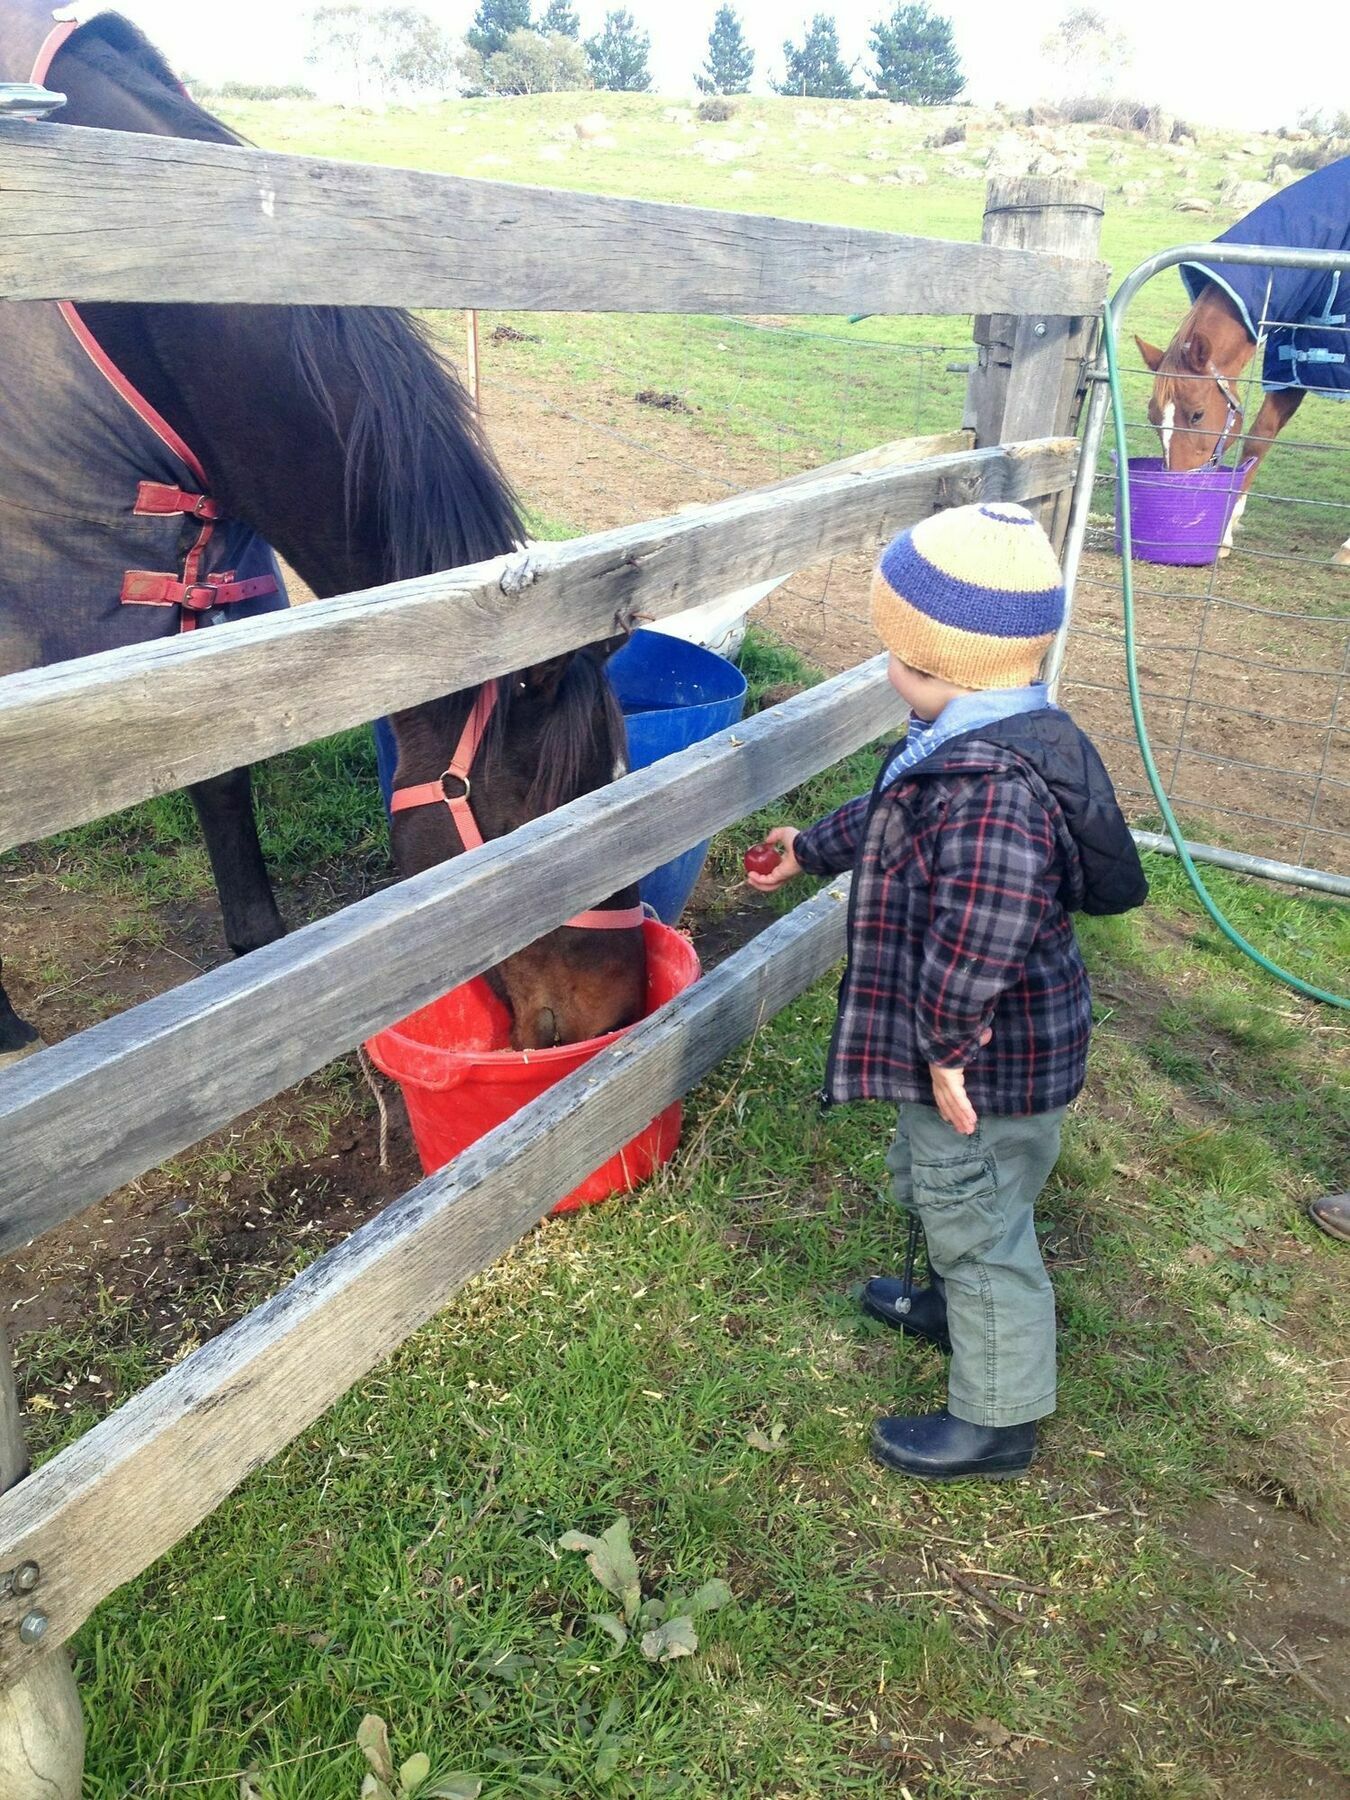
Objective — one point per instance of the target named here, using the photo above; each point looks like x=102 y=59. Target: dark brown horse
x=341 y=438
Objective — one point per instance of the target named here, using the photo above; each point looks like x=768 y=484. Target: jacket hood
x=1049 y=750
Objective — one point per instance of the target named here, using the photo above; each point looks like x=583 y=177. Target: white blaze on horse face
x=1165 y=429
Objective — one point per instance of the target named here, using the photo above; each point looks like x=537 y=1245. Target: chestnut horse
x=1196 y=404
x=340 y=437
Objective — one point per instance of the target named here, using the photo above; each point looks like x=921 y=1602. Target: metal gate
x=1245 y=663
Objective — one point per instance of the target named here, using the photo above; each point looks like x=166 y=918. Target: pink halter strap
x=459 y=769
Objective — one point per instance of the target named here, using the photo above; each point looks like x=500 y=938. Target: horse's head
x=1194 y=405
x=555 y=732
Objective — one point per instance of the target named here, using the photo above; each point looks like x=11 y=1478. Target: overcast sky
x=1224 y=65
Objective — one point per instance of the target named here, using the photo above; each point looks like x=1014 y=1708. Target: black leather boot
x=927 y=1315
x=937 y=1447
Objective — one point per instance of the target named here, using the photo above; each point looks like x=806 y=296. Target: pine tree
x=815 y=69
x=559 y=21
x=917 y=60
x=731 y=61
x=493 y=24
x=618 y=55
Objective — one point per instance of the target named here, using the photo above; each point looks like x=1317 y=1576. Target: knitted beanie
x=973 y=595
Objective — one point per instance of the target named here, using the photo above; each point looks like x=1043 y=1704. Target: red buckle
x=157 y=497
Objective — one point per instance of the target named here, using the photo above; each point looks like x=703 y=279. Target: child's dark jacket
x=965 y=872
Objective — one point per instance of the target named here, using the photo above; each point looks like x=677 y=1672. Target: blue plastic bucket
x=673 y=694
x=386 y=757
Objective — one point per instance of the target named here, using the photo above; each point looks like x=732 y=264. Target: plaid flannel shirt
x=964 y=877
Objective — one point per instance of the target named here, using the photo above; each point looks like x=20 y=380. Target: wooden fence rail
x=104 y=1508
x=79 y=1119
x=101 y=215
x=79 y=740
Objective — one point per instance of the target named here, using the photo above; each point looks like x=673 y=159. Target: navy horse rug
x=108 y=532
x=1301 y=313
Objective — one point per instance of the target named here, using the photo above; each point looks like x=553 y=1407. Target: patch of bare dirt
x=190 y=1252
x=1297 y=1575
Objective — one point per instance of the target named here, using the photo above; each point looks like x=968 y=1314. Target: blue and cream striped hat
x=973 y=595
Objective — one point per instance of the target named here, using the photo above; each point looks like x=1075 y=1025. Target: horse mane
x=122 y=51
x=414 y=453
x=584 y=708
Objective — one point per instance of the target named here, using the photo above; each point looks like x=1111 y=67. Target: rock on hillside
x=1244 y=195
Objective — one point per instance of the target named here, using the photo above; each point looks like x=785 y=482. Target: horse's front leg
x=17 y=1036
x=1276 y=411
x=225 y=807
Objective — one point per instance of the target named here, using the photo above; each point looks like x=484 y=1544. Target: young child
x=965 y=998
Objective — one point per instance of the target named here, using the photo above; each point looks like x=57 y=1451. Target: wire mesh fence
x=1244 y=660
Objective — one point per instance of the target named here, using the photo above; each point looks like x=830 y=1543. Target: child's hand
x=949 y=1090
x=785 y=836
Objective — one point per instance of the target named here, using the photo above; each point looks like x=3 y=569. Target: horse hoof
x=13 y=1056
x=1341 y=560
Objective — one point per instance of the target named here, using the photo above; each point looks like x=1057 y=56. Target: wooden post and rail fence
x=93 y=215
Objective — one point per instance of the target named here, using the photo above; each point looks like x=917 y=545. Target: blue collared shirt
x=966 y=713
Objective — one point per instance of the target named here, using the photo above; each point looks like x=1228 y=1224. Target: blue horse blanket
x=1303 y=312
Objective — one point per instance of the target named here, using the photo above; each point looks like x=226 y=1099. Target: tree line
x=912 y=53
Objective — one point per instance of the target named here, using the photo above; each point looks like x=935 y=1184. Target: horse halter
x=459 y=769
x=1234 y=406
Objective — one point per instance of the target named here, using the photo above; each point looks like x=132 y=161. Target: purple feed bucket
x=1179 y=516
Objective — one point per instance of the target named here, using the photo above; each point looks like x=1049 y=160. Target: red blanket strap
x=158 y=497
x=142 y=588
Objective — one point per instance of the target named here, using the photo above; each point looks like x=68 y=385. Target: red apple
x=761 y=859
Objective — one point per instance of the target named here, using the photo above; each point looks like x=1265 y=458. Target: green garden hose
x=1203 y=894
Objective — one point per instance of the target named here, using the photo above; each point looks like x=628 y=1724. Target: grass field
x=1159 y=1613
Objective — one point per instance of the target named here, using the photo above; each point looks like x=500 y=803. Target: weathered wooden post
x=41 y=1725
x=1030 y=378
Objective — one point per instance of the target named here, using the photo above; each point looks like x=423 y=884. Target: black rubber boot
x=1331 y=1213
x=927 y=1315
x=937 y=1447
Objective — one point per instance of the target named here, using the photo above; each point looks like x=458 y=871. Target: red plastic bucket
x=460 y=1080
